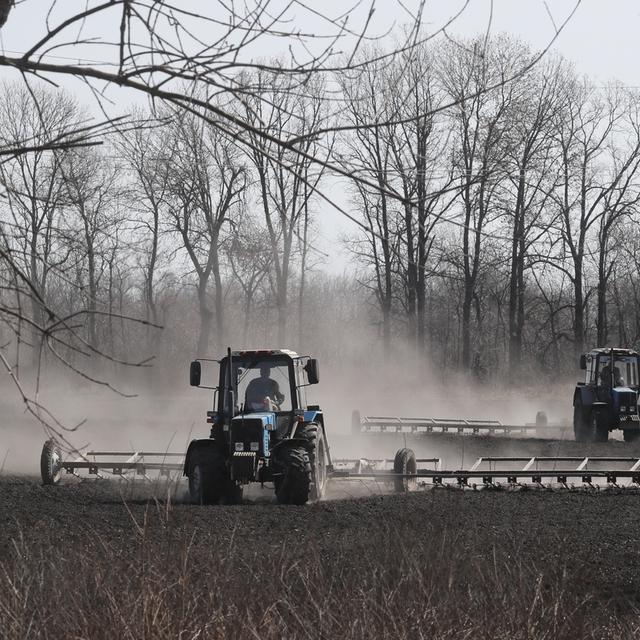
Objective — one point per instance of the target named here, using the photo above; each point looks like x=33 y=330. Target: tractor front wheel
x=207 y=477
x=294 y=481
x=599 y=427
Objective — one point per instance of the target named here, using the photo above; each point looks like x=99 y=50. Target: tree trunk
x=206 y=317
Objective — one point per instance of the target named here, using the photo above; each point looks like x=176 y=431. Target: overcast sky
x=602 y=40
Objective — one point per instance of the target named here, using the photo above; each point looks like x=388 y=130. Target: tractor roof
x=259 y=353
x=617 y=351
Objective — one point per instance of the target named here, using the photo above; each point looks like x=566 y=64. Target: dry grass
x=174 y=571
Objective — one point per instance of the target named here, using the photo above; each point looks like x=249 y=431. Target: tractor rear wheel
x=313 y=437
x=294 y=483
x=405 y=464
x=50 y=463
x=207 y=477
x=319 y=469
x=309 y=433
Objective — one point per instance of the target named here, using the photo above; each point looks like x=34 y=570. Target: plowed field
x=98 y=559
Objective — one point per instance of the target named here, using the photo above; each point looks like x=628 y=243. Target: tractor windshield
x=263 y=386
x=625 y=371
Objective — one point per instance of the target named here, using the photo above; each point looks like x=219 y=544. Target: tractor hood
x=250 y=433
x=266 y=418
x=623 y=390
x=625 y=399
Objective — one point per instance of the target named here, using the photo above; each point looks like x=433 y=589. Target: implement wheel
x=50 y=463
x=294 y=484
x=405 y=464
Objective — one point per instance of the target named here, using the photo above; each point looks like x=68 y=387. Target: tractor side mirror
x=583 y=362
x=312 y=371
x=195 y=373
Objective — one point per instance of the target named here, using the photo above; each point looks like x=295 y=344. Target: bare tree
x=34 y=192
x=424 y=180
x=585 y=128
x=207 y=185
x=92 y=191
x=479 y=120
x=250 y=259
x=530 y=159
x=144 y=152
x=285 y=177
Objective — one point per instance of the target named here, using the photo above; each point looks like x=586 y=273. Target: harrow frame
x=138 y=462
x=485 y=472
x=427 y=426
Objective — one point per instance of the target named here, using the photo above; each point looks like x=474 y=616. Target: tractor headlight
x=623 y=409
x=255 y=446
x=239 y=446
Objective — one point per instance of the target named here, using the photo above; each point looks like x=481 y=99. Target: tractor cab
x=258 y=381
x=608 y=398
x=611 y=368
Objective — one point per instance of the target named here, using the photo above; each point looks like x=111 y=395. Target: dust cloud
x=167 y=413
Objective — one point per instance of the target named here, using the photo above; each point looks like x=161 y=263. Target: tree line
x=494 y=222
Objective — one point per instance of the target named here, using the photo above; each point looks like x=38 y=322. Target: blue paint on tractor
x=268 y=419
x=310 y=416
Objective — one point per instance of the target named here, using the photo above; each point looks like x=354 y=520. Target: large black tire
x=319 y=469
x=630 y=435
x=309 y=433
x=208 y=479
x=315 y=446
x=294 y=484
x=403 y=464
x=581 y=427
x=50 y=463
x=599 y=427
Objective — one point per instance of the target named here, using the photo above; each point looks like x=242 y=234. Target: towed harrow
x=263 y=431
x=124 y=464
x=386 y=425
x=404 y=473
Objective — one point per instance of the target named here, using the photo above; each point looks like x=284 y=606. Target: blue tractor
x=262 y=430
x=608 y=398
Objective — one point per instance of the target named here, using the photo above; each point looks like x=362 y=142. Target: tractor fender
x=294 y=440
x=202 y=444
x=312 y=415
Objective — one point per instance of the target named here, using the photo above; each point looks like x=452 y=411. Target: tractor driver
x=263 y=392
x=605 y=376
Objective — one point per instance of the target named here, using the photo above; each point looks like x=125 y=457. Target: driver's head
x=265 y=371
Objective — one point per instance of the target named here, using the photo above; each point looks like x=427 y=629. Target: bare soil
x=93 y=559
